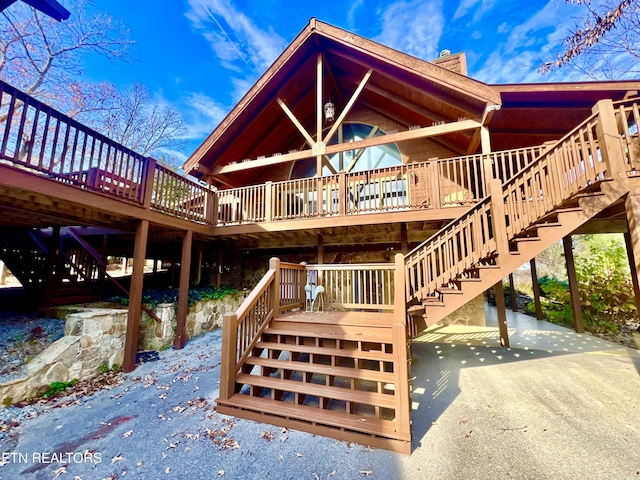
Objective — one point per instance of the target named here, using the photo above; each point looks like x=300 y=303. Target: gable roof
x=409 y=90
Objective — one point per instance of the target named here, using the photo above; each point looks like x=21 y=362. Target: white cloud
x=202 y=114
x=463 y=8
x=516 y=59
x=413 y=27
x=235 y=38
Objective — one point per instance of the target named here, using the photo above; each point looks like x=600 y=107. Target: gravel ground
x=22 y=337
x=555 y=405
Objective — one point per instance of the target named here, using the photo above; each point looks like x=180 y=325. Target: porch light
x=329 y=111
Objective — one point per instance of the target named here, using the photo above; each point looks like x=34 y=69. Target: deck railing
x=574 y=164
x=289 y=286
x=628 y=119
x=36 y=137
x=433 y=184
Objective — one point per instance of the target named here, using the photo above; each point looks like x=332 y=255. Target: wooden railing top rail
x=562 y=171
x=37 y=137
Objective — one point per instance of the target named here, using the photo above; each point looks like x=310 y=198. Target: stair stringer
x=505 y=264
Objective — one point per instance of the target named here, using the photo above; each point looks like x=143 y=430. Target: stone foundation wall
x=94 y=341
x=203 y=317
x=471 y=313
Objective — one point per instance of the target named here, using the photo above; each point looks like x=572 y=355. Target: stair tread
x=348 y=372
x=319 y=390
x=370 y=319
x=373 y=426
x=332 y=351
x=342 y=332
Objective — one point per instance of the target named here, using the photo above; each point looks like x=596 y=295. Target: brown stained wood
x=336 y=393
x=135 y=297
x=632 y=241
x=502 y=314
x=346 y=372
x=183 y=296
x=573 y=285
x=536 y=289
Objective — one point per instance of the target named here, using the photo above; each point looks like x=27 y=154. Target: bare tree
x=134 y=119
x=605 y=42
x=44 y=58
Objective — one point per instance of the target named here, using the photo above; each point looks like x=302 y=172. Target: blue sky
x=201 y=56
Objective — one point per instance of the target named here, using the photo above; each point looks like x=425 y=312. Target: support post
x=54 y=252
x=147 y=181
x=183 y=296
x=343 y=194
x=435 y=200
x=400 y=348
x=632 y=241
x=268 y=201
x=229 y=354
x=573 y=284
x=498 y=219
x=512 y=291
x=274 y=264
x=320 y=249
x=135 y=296
x=219 y=272
x=610 y=140
x=502 y=314
x=536 y=289
x=198 y=275
x=404 y=243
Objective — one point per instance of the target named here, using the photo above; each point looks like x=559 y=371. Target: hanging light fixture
x=329 y=111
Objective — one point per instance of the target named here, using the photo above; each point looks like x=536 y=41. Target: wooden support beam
x=135 y=296
x=219 y=272
x=403 y=238
x=183 y=296
x=407 y=135
x=502 y=314
x=536 y=289
x=567 y=244
x=632 y=241
x=498 y=219
x=295 y=121
x=54 y=252
x=320 y=250
x=512 y=291
x=609 y=140
x=348 y=107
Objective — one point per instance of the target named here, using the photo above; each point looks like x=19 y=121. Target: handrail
x=573 y=164
x=242 y=329
x=37 y=137
x=432 y=184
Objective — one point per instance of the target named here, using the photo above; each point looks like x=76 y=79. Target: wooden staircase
x=584 y=173
x=71 y=276
x=342 y=374
x=346 y=374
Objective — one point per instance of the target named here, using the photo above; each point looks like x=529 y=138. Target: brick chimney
x=456 y=63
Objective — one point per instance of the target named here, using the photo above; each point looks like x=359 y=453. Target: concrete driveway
x=555 y=405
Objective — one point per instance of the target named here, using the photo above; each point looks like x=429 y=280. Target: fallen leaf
x=127 y=434
x=315 y=475
x=463 y=422
x=172 y=445
x=221 y=473
x=167 y=470
x=332 y=474
x=60 y=471
x=117 y=458
x=298 y=454
x=366 y=473
x=268 y=436
x=280 y=457
x=139 y=464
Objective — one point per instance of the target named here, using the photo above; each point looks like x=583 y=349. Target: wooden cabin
x=352 y=179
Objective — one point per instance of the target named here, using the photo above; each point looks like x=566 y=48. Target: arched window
x=356 y=160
